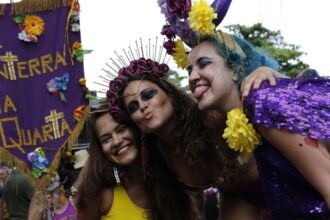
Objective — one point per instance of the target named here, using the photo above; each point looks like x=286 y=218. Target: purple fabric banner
x=30 y=115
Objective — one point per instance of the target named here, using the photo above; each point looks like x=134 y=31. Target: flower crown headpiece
x=190 y=22
x=146 y=61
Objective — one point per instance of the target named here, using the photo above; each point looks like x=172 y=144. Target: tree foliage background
x=175 y=78
x=287 y=55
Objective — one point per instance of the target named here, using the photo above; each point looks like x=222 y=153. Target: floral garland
x=240 y=134
x=187 y=22
x=117 y=85
x=58 y=85
x=31 y=26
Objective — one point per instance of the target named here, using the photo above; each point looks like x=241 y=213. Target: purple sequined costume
x=301 y=106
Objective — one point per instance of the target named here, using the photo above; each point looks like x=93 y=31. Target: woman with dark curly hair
x=116 y=183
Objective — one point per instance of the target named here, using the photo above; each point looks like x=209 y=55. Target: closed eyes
x=106 y=138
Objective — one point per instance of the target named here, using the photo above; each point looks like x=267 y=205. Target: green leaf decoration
x=80 y=58
x=80 y=54
x=87 y=51
x=36 y=173
x=19 y=18
x=90 y=97
x=62 y=96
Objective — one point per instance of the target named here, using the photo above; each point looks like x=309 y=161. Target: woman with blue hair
x=292 y=122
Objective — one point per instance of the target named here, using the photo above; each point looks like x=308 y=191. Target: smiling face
x=148 y=105
x=210 y=80
x=117 y=140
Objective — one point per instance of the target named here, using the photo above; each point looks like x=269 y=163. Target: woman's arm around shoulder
x=310 y=156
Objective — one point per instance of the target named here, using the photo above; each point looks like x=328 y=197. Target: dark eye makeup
x=146 y=95
x=202 y=62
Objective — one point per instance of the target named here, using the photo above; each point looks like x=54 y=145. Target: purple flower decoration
x=112 y=98
x=169 y=46
x=146 y=65
x=117 y=113
x=179 y=7
x=31 y=156
x=168 y=32
x=51 y=86
x=163 y=8
x=182 y=29
x=116 y=84
x=160 y=70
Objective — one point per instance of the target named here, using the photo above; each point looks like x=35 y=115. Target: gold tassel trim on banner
x=2 y=9
x=70 y=141
x=31 y=6
x=44 y=181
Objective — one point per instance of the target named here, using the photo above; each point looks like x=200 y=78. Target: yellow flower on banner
x=180 y=55
x=201 y=16
x=82 y=81
x=76 y=46
x=34 y=25
x=241 y=135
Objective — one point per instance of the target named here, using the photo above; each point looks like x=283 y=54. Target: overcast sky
x=108 y=25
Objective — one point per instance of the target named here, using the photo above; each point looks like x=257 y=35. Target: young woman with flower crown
x=116 y=186
x=292 y=119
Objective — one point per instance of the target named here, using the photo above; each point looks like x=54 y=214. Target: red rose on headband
x=123 y=73
x=160 y=70
x=134 y=68
x=117 y=113
x=145 y=65
x=112 y=98
x=116 y=85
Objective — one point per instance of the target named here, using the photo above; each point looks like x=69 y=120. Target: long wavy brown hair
x=99 y=170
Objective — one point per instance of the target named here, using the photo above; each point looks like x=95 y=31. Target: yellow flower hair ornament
x=201 y=18
x=240 y=134
x=180 y=55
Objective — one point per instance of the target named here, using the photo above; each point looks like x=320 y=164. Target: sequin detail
x=288 y=195
x=299 y=105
